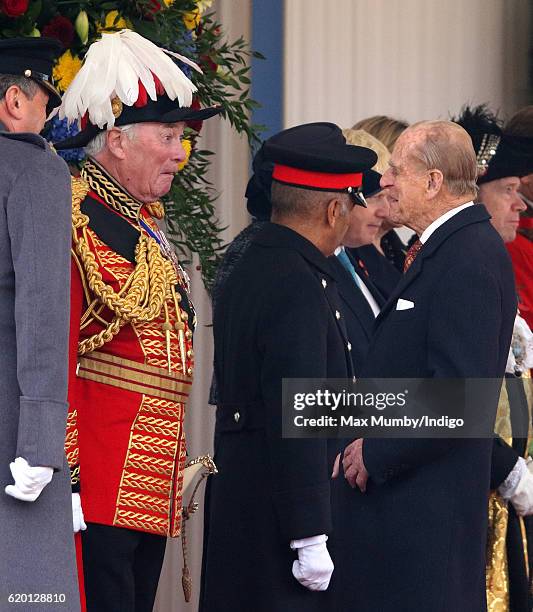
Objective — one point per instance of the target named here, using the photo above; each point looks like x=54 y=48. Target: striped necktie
x=411 y=254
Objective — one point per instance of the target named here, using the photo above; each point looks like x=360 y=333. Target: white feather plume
x=113 y=66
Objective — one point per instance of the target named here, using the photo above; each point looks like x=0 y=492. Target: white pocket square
x=404 y=304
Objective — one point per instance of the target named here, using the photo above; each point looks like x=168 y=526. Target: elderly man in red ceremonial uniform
x=132 y=320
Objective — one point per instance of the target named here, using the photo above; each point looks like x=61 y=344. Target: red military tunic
x=521 y=252
x=125 y=438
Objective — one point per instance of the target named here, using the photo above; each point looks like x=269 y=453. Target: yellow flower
x=110 y=24
x=65 y=70
x=203 y=5
x=168 y=2
x=187 y=147
x=191 y=19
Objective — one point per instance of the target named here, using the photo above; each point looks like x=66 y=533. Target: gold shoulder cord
x=147 y=287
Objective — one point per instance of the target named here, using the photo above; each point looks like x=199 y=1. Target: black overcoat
x=415 y=541
x=275 y=318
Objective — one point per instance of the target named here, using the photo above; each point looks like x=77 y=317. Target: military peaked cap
x=316 y=156
x=32 y=58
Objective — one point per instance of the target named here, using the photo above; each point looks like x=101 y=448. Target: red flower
x=61 y=29
x=14 y=8
x=195 y=124
x=152 y=7
x=208 y=63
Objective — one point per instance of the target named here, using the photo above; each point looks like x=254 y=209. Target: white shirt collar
x=441 y=220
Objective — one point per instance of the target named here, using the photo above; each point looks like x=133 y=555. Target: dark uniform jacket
x=275 y=318
x=420 y=529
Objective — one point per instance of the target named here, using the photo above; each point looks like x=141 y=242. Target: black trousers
x=121 y=568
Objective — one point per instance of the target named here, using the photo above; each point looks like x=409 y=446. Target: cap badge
x=116 y=107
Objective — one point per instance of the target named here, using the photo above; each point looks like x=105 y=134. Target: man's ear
x=434 y=182
x=14 y=102
x=115 y=142
x=335 y=210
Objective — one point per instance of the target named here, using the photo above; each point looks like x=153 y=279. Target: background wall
x=345 y=60
x=412 y=59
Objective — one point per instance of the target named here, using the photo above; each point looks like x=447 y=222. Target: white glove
x=522 y=495
x=29 y=481
x=314 y=566
x=78 y=521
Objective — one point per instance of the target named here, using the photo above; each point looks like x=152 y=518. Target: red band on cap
x=322 y=180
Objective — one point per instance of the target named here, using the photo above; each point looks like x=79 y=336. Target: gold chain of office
x=144 y=293
x=114 y=196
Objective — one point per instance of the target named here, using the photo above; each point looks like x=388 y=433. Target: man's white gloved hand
x=314 y=566
x=522 y=495
x=78 y=520
x=29 y=481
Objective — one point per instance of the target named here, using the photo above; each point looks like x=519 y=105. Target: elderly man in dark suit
x=37 y=563
x=278 y=316
x=421 y=503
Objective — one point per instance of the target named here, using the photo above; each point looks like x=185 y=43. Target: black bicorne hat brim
x=162 y=110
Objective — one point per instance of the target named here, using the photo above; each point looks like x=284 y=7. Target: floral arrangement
x=180 y=25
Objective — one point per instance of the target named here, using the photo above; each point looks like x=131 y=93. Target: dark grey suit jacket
x=35 y=220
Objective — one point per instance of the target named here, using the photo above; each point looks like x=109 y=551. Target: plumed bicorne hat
x=316 y=156
x=127 y=79
x=498 y=154
x=32 y=58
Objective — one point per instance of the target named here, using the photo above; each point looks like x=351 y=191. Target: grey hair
x=28 y=86
x=448 y=148
x=99 y=142
x=288 y=201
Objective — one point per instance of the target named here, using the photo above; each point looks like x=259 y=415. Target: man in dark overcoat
x=421 y=504
x=37 y=562
x=278 y=316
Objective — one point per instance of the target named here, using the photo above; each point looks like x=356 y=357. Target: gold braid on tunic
x=143 y=295
x=497 y=569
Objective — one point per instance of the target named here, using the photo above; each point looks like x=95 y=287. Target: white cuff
x=508 y=486
x=318 y=539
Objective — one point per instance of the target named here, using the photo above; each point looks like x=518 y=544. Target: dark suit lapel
x=473 y=214
x=411 y=275
x=374 y=291
x=352 y=296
